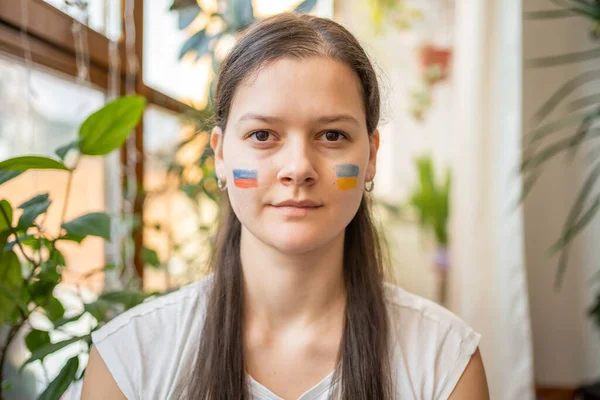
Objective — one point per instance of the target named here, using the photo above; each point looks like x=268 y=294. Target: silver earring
x=369 y=185
x=222 y=186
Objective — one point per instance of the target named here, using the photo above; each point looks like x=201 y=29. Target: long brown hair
x=220 y=371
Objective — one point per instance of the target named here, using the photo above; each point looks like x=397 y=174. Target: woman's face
x=296 y=153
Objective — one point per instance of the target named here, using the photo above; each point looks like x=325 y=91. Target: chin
x=297 y=240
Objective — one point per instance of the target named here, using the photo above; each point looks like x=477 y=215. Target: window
x=40 y=112
x=103 y=16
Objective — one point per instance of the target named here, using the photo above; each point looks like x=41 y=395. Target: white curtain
x=487 y=285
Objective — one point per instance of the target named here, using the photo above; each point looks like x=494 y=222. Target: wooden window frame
x=51 y=45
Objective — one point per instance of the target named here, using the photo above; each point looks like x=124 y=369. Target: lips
x=297 y=208
x=298 y=203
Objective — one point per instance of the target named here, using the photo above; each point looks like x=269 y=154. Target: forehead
x=300 y=90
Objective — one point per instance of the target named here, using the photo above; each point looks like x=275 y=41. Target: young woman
x=296 y=306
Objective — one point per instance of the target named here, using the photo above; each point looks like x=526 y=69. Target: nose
x=297 y=166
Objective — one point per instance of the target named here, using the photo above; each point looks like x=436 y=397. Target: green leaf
x=10 y=301
x=54 y=309
x=181 y=4
x=63 y=321
x=58 y=257
x=108 y=128
x=573 y=216
x=199 y=42
x=36 y=243
x=528 y=185
x=6 y=176
x=10 y=270
x=239 y=14
x=63 y=150
x=150 y=257
x=594 y=311
x=583 y=131
x=51 y=348
x=187 y=11
x=6 y=213
x=576 y=227
x=12 y=281
x=128 y=298
x=92 y=224
x=4 y=240
x=63 y=380
x=583 y=102
x=25 y=163
x=569 y=58
x=549 y=14
x=547 y=129
x=550 y=151
x=36 y=339
x=563 y=91
x=306 y=6
x=32 y=209
x=41 y=289
x=72 y=238
x=98 y=309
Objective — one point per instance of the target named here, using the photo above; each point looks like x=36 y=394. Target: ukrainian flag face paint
x=245 y=178
x=347 y=175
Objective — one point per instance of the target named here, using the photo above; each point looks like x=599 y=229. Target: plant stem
x=14 y=232
x=67 y=195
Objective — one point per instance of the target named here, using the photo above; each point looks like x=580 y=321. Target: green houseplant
x=31 y=261
x=430 y=199
x=584 y=115
x=582 y=119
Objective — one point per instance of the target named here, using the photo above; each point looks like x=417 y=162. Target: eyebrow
x=322 y=119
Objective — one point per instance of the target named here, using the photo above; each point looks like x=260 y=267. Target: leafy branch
x=538 y=151
x=22 y=293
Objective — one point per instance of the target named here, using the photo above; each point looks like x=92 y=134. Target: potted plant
x=430 y=199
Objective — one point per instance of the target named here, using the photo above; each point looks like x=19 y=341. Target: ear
x=216 y=143
x=373 y=148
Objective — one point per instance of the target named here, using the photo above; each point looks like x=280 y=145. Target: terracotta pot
x=430 y=55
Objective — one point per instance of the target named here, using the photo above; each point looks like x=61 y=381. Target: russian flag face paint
x=347 y=174
x=245 y=178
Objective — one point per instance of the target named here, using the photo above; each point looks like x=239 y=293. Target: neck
x=283 y=291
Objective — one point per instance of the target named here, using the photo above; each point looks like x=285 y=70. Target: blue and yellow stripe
x=347 y=175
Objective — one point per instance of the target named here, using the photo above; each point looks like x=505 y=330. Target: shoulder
x=170 y=308
x=420 y=313
x=431 y=346
x=149 y=344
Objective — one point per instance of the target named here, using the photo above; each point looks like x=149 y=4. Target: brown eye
x=261 y=136
x=332 y=136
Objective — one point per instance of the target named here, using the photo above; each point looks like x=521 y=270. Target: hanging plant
x=434 y=65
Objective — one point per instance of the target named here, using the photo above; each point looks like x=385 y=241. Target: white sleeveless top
x=151 y=348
